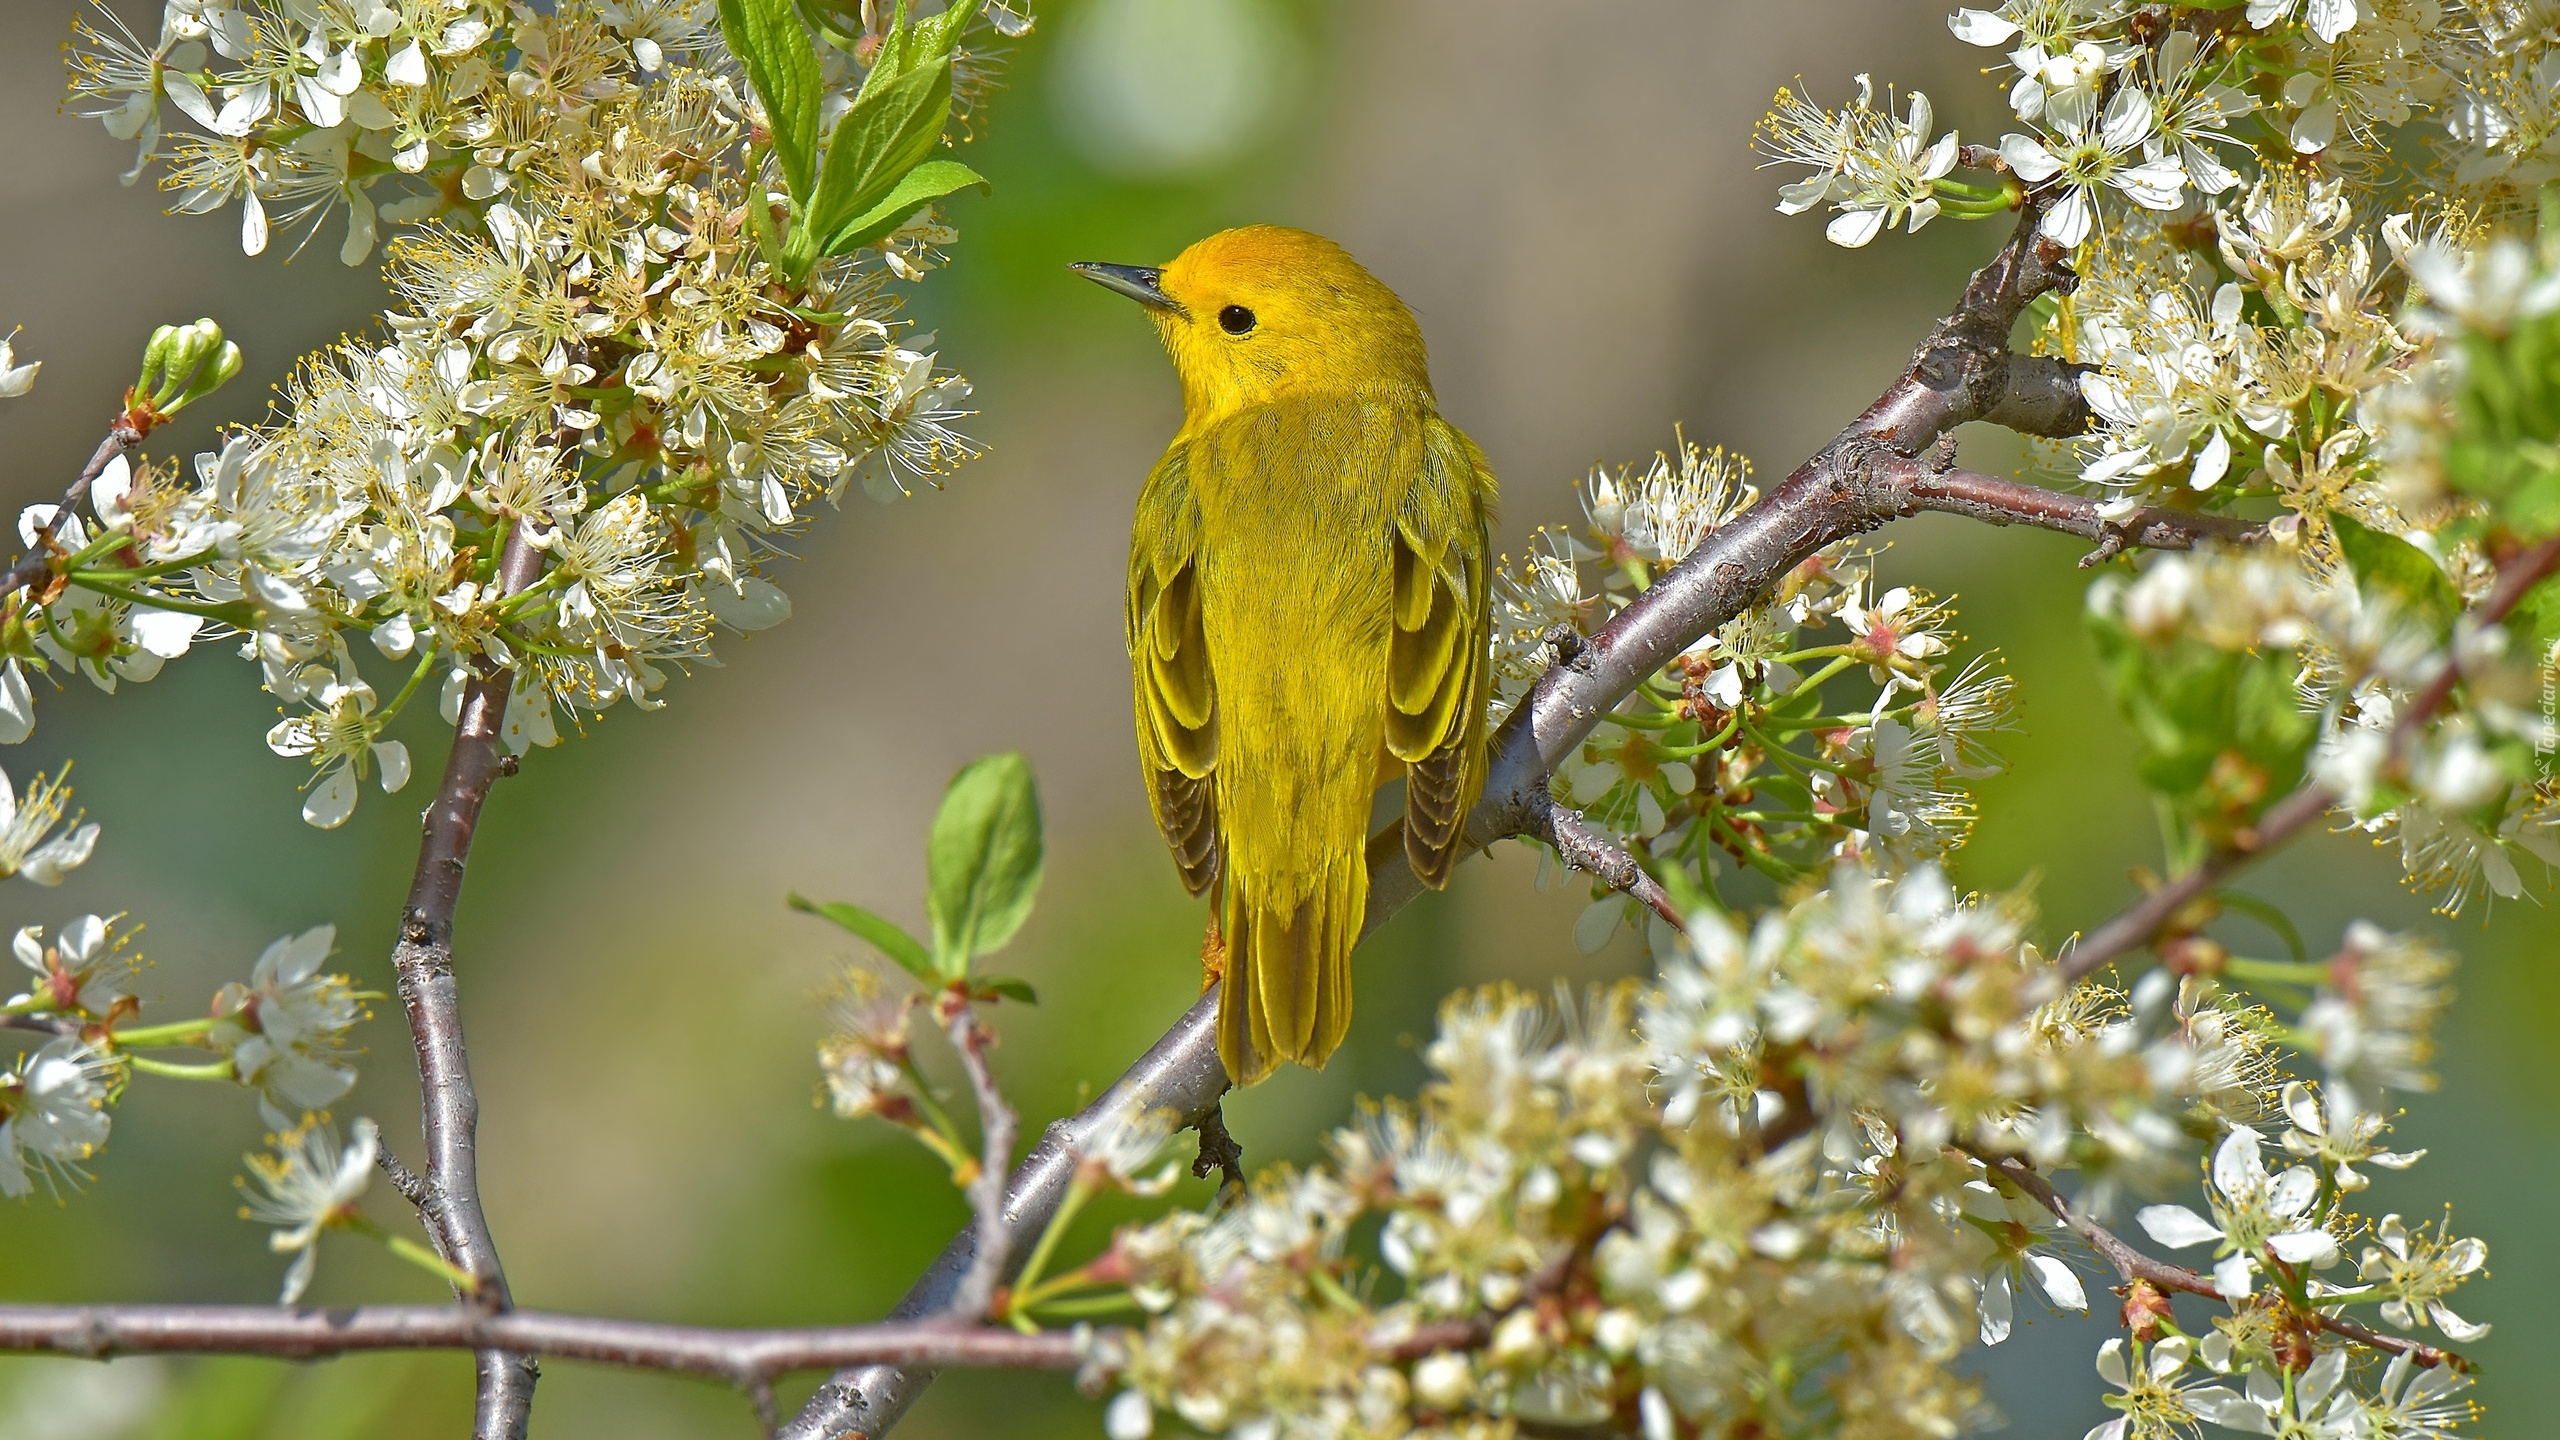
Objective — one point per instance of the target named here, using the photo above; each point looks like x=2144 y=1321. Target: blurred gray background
x=1564 y=192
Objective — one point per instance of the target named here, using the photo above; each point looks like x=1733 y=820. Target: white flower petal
x=2029 y=159
x=1981 y=27
x=2454 y=1326
x=2234 y=1277
x=164 y=633
x=2059 y=1284
x=331 y=801
x=393 y=757
x=2176 y=1226
x=1854 y=228
x=2297 y=1247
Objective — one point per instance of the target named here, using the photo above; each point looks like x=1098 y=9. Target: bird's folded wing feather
x=1437 y=657
x=1169 y=660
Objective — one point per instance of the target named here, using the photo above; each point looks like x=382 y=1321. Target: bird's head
x=1254 y=314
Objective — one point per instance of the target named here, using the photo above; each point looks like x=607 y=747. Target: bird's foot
x=1213 y=957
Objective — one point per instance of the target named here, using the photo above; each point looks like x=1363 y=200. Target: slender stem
x=156 y=569
x=1026 y=1286
x=229 y=614
x=1080 y=1306
x=98 y=1332
x=417 y=677
x=176 y=1032
x=965 y=1168
x=427 y=1260
x=947 y=1132
x=210 y=1070
x=1815 y=680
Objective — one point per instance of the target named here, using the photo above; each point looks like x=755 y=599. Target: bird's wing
x=1169 y=660
x=1437 y=656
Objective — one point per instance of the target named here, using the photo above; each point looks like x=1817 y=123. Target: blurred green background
x=1564 y=192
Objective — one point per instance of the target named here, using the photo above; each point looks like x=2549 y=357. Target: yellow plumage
x=1308 y=592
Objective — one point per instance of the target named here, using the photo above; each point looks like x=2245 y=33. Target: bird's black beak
x=1142 y=283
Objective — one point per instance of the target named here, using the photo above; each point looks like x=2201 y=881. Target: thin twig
x=741 y=1357
x=1219 y=1152
x=2132 y=1265
x=1583 y=847
x=2007 y=502
x=122 y=435
x=996 y=1125
x=413 y=1187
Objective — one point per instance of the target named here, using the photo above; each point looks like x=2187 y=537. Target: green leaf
x=983 y=861
x=782 y=63
x=2399 y=569
x=890 y=130
x=922 y=186
x=877 y=172
x=1008 y=987
x=886 y=936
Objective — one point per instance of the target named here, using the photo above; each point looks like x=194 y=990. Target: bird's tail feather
x=1288 y=979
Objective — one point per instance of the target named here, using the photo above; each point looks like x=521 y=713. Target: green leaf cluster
x=2217 y=734
x=983 y=863
x=876 y=169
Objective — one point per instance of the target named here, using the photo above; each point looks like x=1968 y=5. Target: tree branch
x=2043 y=398
x=741 y=1357
x=2131 y=1266
x=2007 y=502
x=449 y=1201
x=996 y=1125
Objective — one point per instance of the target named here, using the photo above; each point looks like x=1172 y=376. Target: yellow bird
x=1308 y=598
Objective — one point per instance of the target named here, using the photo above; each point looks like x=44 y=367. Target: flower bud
x=183 y=364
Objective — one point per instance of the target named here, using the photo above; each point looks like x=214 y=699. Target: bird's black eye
x=1235 y=320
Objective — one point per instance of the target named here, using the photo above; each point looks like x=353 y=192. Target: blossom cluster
x=2276 y=310
x=1756 y=749
x=603 y=401
x=281 y=1034
x=1781 y=1187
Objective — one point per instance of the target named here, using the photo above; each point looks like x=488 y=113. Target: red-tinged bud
x=2144 y=1308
